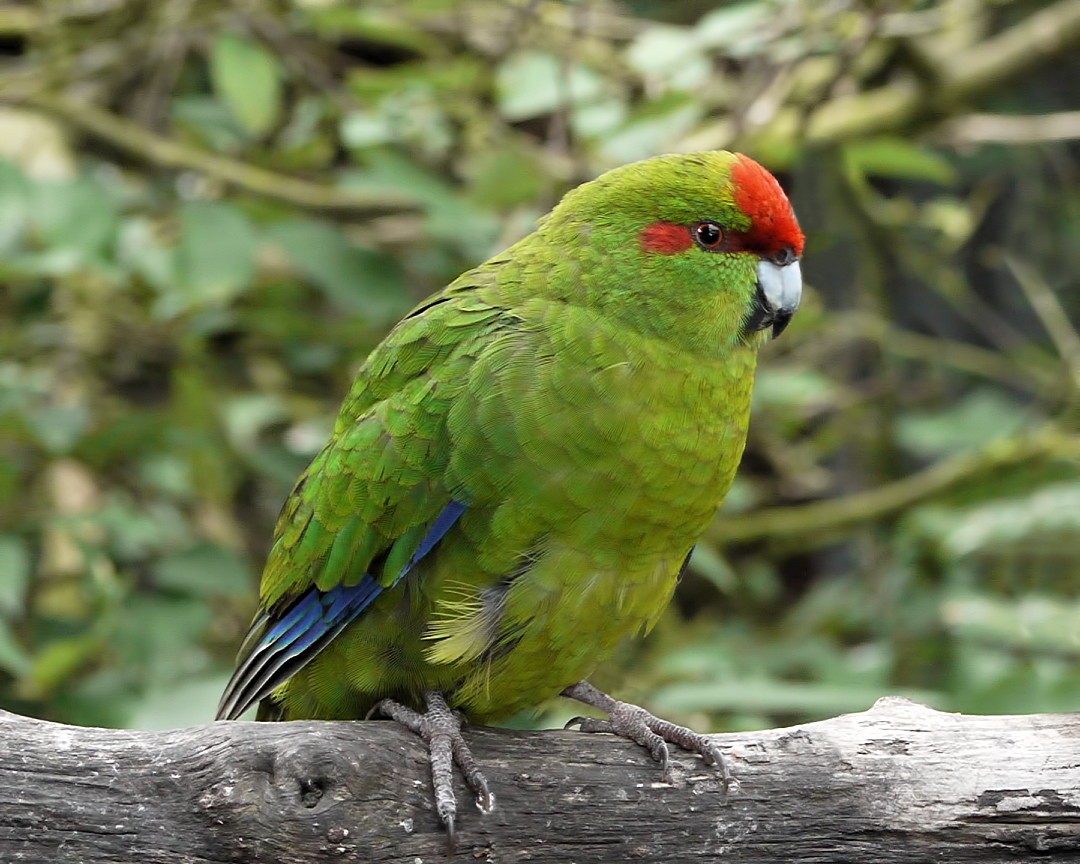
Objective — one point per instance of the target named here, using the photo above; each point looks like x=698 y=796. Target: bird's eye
x=784 y=257
x=709 y=235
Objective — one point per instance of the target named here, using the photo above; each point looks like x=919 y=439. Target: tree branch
x=839 y=513
x=163 y=152
x=963 y=76
x=898 y=783
x=1024 y=46
x=1012 y=128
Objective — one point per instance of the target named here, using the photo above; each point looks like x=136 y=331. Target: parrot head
x=702 y=247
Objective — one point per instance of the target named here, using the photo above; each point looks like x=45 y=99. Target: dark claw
x=484 y=799
x=485 y=802
x=592 y=724
x=451 y=835
x=661 y=754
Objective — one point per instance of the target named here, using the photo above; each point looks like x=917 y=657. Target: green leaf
x=59 y=427
x=215 y=260
x=355 y=279
x=738 y=29
x=793 y=388
x=707 y=562
x=414 y=115
x=159 y=636
x=140 y=250
x=247 y=78
x=364 y=128
x=184 y=703
x=507 y=177
x=204 y=570
x=1051 y=511
x=14 y=207
x=660 y=49
x=14 y=573
x=138 y=530
x=13 y=658
x=655 y=128
x=450 y=218
x=900 y=159
x=672 y=55
x=76 y=220
x=534 y=83
x=598 y=118
x=982 y=416
x=1030 y=622
x=245 y=416
x=62 y=659
x=167 y=473
x=209 y=122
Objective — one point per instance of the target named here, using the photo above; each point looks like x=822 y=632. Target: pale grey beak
x=779 y=290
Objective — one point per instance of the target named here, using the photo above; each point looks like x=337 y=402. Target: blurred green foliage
x=210 y=211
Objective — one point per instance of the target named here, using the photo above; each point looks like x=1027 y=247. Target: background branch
x=1012 y=129
x=964 y=75
x=839 y=513
x=164 y=152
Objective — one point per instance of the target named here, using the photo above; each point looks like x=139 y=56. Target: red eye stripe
x=666 y=238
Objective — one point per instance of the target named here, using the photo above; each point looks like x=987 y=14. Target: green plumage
x=586 y=399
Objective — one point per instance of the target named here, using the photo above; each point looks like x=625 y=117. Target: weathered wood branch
x=898 y=783
x=169 y=153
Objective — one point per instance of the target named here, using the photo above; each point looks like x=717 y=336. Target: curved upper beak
x=779 y=290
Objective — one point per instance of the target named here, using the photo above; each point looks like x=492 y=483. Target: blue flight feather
x=300 y=617
x=319 y=612
x=443 y=523
x=312 y=623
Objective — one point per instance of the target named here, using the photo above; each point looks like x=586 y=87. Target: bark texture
x=897 y=783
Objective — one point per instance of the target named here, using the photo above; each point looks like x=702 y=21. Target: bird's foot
x=648 y=730
x=440 y=727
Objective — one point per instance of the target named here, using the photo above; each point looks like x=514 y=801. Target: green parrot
x=522 y=467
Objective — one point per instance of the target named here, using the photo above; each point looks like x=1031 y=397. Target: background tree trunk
x=897 y=783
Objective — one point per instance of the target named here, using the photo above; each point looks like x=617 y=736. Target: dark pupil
x=785 y=257
x=708 y=234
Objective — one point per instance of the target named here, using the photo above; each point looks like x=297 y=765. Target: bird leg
x=440 y=728
x=637 y=724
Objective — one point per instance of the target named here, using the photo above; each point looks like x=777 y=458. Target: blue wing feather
x=443 y=523
x=311 y=623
